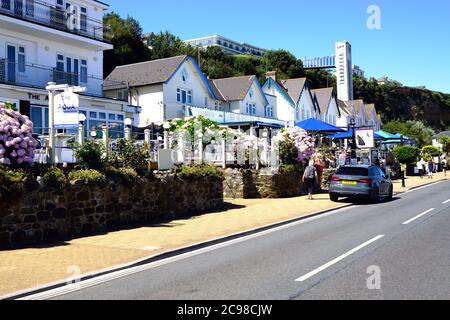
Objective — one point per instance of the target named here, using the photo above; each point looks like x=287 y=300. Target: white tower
x=344 y=72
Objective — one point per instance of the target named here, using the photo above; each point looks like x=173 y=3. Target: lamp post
x=82 y=119
x=352 y=126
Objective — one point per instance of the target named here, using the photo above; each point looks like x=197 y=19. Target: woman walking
x=310 y=177
x=430 y=169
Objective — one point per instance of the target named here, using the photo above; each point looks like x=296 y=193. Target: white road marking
x=338 y=259
x=445 y=202
x=133 y=270
x=418 y=216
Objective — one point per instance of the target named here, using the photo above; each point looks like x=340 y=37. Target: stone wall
x=48 y=214
x=252 y=184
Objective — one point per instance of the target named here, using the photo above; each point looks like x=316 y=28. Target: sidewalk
x=28 y=268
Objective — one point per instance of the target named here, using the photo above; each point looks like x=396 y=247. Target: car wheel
x=334 y=197
x=391 y=194
x=374 y=196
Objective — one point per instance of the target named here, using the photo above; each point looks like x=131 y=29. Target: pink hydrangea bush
x=17 y=144
x=304 y=143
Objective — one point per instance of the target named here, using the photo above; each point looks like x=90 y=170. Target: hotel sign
x=66 y=110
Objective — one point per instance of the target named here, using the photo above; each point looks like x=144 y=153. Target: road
x=403 y=244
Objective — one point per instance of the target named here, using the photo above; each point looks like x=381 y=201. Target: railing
x=71 y=20
x=225 y=117
x=38 y=76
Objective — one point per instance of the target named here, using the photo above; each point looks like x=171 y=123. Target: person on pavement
x=421 y=167
x=310 y=177
x=430 y=169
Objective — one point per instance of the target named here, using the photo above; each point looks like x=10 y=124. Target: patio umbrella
x=317 y=126
x=349 y=135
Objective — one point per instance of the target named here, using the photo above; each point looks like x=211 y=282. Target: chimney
x=272 y=75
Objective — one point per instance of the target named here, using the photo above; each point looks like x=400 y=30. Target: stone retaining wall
x=252 y=184
x=47 y=214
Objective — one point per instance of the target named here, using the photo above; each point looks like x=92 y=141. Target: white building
x=326 y=101
x=294 y=99
x=175 y=87
x=344 y=72
x=365 y=115
x=229 y=46
x=56 y=41
x=359 y=72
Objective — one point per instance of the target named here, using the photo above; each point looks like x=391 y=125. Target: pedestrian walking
x=444 y=166
x=421 y=167
x=430 y=169
x=310 y=177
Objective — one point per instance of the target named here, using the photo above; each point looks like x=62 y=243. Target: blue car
x=369 y=182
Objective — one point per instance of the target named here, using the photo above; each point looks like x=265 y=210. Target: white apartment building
x=59 y=41
x=228 y=46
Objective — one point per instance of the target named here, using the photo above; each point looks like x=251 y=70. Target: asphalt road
x=403 y=244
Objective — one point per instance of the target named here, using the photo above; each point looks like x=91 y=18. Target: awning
x=315 y=125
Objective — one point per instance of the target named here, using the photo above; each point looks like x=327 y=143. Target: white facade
x=227 y=45
x=305 y=107
x=40 y=44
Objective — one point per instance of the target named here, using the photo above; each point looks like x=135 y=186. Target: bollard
x=403 y=179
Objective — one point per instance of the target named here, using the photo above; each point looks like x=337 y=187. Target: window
x=29 y=8
x=83 y=19
x=93 y=114
x=184 y=96
x=6 y=4
x=251 y=108
x=21 y=59
x=112 y=116
x=206 y=102
x=102 y=115
x=120 y=117
x=83 y=72
x=40 y=118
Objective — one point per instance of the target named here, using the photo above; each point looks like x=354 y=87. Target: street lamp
x=128 y=122
x=352 y=126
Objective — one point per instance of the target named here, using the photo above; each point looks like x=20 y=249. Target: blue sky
x=412 y=46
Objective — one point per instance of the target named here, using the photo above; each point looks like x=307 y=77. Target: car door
x=384 y=189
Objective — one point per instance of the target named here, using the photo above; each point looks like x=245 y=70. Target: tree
x=126 y=37
x=430 y=152
x=167 y=45
x=283 y=62
x=406 y=154
x=216 y=64
x=413 y=129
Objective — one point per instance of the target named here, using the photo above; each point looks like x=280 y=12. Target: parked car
x=361 y=181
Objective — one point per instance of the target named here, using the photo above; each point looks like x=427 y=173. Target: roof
x=341 y=105
x=371 y=112
x=442 y=134
x=323 y=98
x=146 y=73
x=356 y=107
x=294 y=87
x=232 y=89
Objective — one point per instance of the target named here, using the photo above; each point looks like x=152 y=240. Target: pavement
x=23 y=269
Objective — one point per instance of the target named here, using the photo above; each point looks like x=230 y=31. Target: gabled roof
x=323 y=98
x=356 y=107
x=370 y=112
x=343 y=107
x=147 y=73
x=152 y=72
x=234 y=89
x=281 y=89
x=294 y=88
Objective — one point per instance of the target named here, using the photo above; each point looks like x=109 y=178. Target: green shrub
x=291 y=168
x=407 y=154
x=288 y=153
x=126 y=176
x=89 y=177
x=128 y=155
x=11 y=184
x=55 y=178
x=90 y=156
x=199 y=171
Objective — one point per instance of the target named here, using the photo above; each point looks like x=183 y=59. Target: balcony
x=37 y=76
x=72 y=20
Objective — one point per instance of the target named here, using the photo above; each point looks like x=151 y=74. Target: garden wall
x=45 y=214
x=253 y=184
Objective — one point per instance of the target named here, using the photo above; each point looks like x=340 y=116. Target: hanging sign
x=66 y=110
x=365 y=138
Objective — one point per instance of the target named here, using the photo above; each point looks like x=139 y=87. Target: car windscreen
x=353 y=171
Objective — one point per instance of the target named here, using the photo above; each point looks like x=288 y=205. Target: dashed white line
x=445 y=202
x=418 y=216
x=338 y=259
